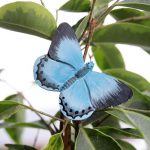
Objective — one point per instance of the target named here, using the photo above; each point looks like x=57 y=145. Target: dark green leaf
x=125 y=145
x=107 y=56
x=132 y=78
x=119 y=133
x=15 y=133
x=55 y=143
x=100 y=7
x=27 y=17
x=19 y=147
x=90 y=139
x=82 y=27
x=131 y=15
x=8 y=108
x=139 y=4
x=123 y=33
x=76 y=6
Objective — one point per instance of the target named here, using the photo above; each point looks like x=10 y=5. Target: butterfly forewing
x=65 y=47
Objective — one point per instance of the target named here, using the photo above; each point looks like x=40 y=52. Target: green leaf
x=130 y=15
x=125 y=145
x=139 y=4
x=55 y=143
x=132 y=78
x=82 y=27
x=100 y=7
x=107 y=56
x=15 y=133
x=119 y=133
x=123 y=33
x=76 y=6
x=19 y=147
x=28 y=17
x=8 y=108
x=90 y=139
x=139 y=121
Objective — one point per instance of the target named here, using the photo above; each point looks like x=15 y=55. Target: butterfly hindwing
x=75 y=101
x=65 y=47
x=106 y=91
x=50 y=74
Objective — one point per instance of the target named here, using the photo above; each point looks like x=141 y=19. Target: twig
x=42 y=119
x=42 y=3
x=43 y=113
x=91 y=30
x=89 y=20
x=105 y=13
x=91 y=25
x=57 y=16
x=36 y=138
x=137 y=18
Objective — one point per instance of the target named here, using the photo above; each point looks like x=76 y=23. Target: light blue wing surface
x=75 y=101
x=50 y=74
x=106 y=91
x=65 y=47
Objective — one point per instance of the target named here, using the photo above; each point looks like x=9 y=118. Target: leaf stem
x=42 y=113
x=137 y=18
x=42 y=3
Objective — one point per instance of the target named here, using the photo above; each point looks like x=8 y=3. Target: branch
x=42 y=119
x=137 y=18
x=91 y=25
x=42 y=3
x=89 y=20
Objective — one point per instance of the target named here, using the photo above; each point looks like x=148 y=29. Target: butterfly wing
x=75 y=101
x=106 y=91
x=65 y=47
x=50 y=74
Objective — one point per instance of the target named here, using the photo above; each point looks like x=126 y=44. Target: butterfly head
x=90 y=65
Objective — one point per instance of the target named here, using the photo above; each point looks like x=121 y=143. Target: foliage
x=132 y=27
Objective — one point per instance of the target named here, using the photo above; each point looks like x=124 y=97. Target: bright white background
x=17 y=55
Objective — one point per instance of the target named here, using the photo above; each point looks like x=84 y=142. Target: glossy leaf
x=90 y=139
x=119 y=133
x=19 y=147
x=15 y=133
x=131 y=15
x=76 y=6
x=139 y=121
x=8 y=108
x=100 y=7
x=27 y=17
x=123 y=33
x=82 y=27
x=125 y=145
x=107 y=56
x=139 y=4
x=55 y=143
x=132 y=78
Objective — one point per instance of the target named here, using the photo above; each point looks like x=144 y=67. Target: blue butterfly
x=82 y=91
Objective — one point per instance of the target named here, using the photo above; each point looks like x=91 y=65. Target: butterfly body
x=82 y=91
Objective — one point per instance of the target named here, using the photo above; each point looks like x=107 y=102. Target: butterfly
x=82 y=91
